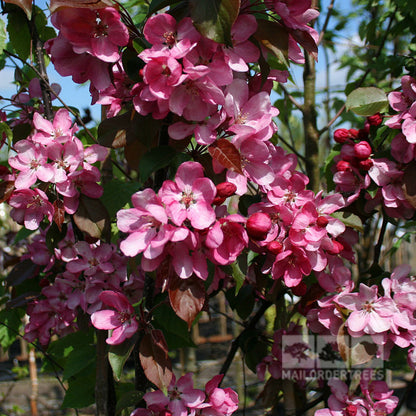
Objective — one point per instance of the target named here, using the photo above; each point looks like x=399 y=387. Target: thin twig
x=293 y=150
x=324 y=27
x=292 y=99
x=74 y=113
x=236 y=343
x=364 y=76
x=377 y=248
x=404 y=397
x=52 y=361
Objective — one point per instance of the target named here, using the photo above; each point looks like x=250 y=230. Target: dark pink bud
x=375 y=120
x=258 y=225
x=366 y=164
x=351 y=410
x=218 y=200
x=362 y=150
x=225 y=189
x=353 y=133
x=337 y=247
x=343 y=166
x=363 y=134
x=275 y=247
x=322 y=221
x=341 y=135
x=44 y=282
x=300 y=289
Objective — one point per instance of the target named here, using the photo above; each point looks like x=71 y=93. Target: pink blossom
x=196 y=99
x=190 y=196
x=243 y=51
x=341 y=402
x=292 y=265
x=370 y=314
x=163 y=74
x=122 y=321
x=222 y=401
x=30 y=207
x=82 y=67
x=98 y=32
x=182 y=398
x=169 y=37
x=32 y=161
x=91 y=259
x=226 y=239
x=59 y=130
x=147 y=225
x=46 y=320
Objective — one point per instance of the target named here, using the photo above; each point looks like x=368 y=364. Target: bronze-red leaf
x=224 y=152
x=155 y=360
x=187 y=298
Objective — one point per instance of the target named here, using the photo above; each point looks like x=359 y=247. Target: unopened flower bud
x=353 y=133
x=375 y=120
x=225 y=189
x=258 y=225
x=366 y=164
x=218 y=200
x=363 y=134
x=44 y=282
x=343 y=166
x=322 y=221
x=337 y=247
x=300 y=289
x=275 y=247
x=341 y=135
x=351 y=410
x=362 y=150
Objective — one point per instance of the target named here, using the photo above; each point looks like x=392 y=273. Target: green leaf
x=4 y=128
x=238 y=276
x=22 y=234
x=3 y=36
x=19 y=34
x=174 y=328
x=81 y=390
x=155 y=159
x=78 y=359
x=10 y=323
x=117 y=194
x=129 y=399
x=350 y=220
x=157 y=5
x=54 y=236
x=214 y=18
x=61 y=348
x=118 y=355
x=367 y=101
x=274 y=37
x=92 y=218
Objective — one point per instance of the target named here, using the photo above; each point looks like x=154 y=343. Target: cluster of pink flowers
x=52 y=155
x=375 y=399
x=183 y=399
x=357 y=169
x=293 y=227
x=388 y=319
x=88 y=44
x=93 y=274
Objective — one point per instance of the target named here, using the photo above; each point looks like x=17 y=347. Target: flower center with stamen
x=368 y=307
x=124 y=316
x=174 y=394
x=170 y=38
x=187 y=199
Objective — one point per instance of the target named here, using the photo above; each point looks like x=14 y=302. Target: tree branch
x=324 y=27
